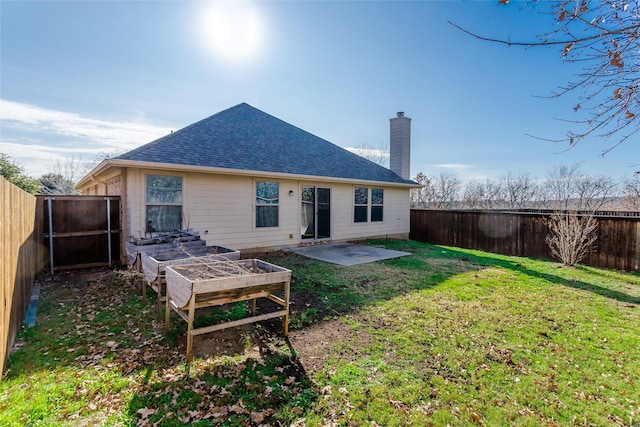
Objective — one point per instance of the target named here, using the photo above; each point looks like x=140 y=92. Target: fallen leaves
x=116 y=336
x=268 y=393
x=145 y=412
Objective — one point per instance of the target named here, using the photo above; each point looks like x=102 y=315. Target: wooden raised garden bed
x=186 y=239
x=193 y=286
x=154 y=264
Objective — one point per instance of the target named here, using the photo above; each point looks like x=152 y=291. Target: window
x=361 y=204
x=363 y=200
x=377 y=202
x=267 y=199
x=164 y=203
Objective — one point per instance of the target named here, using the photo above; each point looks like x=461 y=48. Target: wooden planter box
x=134 y=249
x=155 y=263
x=202 y=285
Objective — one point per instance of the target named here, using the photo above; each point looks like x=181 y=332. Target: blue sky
x=80 y=78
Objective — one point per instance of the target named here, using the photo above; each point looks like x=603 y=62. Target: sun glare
x=233 y=31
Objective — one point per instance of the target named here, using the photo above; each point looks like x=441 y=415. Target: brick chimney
x=400 y=145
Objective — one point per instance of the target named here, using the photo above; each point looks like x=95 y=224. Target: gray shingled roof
x=245 y=138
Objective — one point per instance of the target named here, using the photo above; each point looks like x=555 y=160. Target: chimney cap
x=400 y=113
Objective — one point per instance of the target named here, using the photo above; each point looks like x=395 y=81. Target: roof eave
x=94 y=173
x=106 y=164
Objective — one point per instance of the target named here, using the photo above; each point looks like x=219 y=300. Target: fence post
x=49 y=199
x=108 y=199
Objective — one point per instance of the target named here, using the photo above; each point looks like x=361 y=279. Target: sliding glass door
x=315 y=213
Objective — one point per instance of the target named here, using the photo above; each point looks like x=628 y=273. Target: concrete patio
x=347 y=254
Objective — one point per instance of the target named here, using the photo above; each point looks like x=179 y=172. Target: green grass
x=445 y=336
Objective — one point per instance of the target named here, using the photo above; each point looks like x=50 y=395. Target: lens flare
x=233 y=31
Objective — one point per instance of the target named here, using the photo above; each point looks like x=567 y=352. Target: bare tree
x=571 y=236
x=567 y=187
x=593 y=192
x=631 y=193
x=487 y=195
x=61 y=176
x=102 y=155
x=446 y=186
x=378 y=154
x=437 y=192
x=575 y=198
x=52 y=183
x=603 y=37
x=494 y=194
x=420 y=197
x=559 y=185
x=519 y=189
x=473 y=196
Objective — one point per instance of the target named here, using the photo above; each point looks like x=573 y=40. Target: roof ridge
x=158 y=140
x=244 y=137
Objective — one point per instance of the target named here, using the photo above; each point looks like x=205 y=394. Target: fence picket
x=21 y=258
x=523 y=233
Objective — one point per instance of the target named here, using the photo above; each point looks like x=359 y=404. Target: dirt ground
x=310 y=343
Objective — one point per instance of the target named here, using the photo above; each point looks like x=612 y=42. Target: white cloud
x=118 y=134
x=375 y=155
x=34 y=136
x=457 y=166
x=368 y=152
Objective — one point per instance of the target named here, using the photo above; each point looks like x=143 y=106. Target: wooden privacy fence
x=524 y=233
x=22 y=256
x=81 y=231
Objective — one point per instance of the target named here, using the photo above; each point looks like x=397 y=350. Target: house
x=245 y=179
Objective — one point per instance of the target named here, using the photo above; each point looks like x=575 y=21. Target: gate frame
x=51 y=234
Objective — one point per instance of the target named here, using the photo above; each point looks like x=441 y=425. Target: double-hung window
x=361 y=204
x=164 y=203
x=267 y=203
x=368 y=204
x=377 y=204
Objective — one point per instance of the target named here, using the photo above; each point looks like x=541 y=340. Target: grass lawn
x=445 y=336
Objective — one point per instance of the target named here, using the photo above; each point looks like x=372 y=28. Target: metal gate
x=81 y=231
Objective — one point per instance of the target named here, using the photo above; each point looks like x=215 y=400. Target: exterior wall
x=133 y=209
x=91 y=190
x=114 y=186
x=110 y=185
x=222 y=209
x=395 y=214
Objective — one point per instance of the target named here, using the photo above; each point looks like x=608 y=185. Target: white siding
x=395 y=214
x=133 y=210
x=222 y=209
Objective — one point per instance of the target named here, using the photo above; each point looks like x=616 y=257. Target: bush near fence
x=22 y=256
x=522 y=233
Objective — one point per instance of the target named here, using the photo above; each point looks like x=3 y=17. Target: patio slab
x=347 y=253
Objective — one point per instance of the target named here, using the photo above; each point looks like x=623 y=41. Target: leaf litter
x=102 y=329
